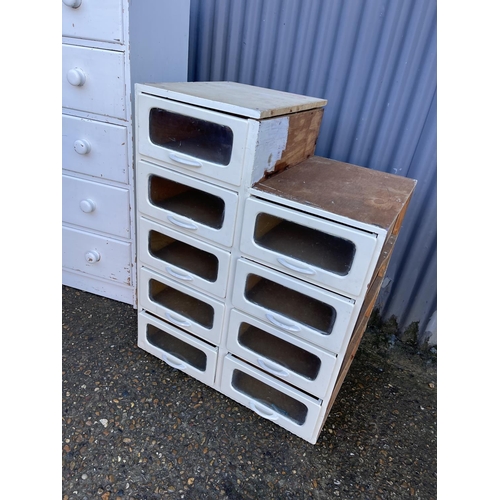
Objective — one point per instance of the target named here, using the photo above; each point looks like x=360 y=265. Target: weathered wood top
x=351 y=191
x=236 y=98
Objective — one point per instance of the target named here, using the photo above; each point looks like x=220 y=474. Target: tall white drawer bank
x=258 y=262
x=108 y=46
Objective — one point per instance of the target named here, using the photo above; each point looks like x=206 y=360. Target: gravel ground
x=133 y=428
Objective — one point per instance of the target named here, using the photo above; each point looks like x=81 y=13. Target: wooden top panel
x=236 y=98
x=358 y=193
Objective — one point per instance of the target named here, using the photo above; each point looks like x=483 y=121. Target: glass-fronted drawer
x=200 y=141
x=180 y=305
x=314 y=249
x=182 y=258
x=176 y=348
x=314 y=314
x=186 y=204
x=287 y=357
x=271 y=399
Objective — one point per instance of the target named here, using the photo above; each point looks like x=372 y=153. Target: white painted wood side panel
x=206 y=376
x=95 y=20
x=103 y=91
x=114 y=256
x=108 y=154
x=96 y=206
x=237 y=98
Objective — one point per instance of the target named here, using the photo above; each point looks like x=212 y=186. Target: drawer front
x=177 y=349
x=193 y=140
x=182 y=306
x=96 y=255
x=94 y=148
x=295 y=307
x=196 y=208
x=280 y=354
x=182 y=258
x=96 y=206
x=320 y=251
x=93 y=80
x=94 y=19
x=270 y=398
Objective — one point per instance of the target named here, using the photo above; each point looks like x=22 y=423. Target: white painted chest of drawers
x=259 y=263
x=107 y=46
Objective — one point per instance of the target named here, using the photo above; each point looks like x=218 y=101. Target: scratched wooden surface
x=355 y=192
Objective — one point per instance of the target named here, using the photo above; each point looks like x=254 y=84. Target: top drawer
x=317 y=250
x=193 y=140
x=93 y=19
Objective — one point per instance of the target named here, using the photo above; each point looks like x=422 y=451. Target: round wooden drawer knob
x=92 y=257
x=87 y=206
x=76 y=77
x=82 y=147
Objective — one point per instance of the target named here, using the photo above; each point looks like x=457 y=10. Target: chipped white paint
x=272 y=140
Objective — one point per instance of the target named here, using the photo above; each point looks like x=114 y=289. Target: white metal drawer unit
x=183 y=258
x=314 y=314
x=196 y=208
x=107 y=46
x=226 y=172
x=196 y=141
x=182 y=306
x=270 y=398
x=314 y=249
x=177 y=348
x=286 y=357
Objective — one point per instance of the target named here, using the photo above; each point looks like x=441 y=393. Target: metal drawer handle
x=289 y=328
x=293 y=267
x=179 y=223
x=178 y=322
x=263 y=411
x=180 y=276
x=268 y=366
x=174 y=362
x=184 y=161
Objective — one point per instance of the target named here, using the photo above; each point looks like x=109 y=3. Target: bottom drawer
x=96 y=255
x=271 y=399
x=178 y=349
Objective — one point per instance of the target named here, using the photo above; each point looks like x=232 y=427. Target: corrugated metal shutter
x=375 y=62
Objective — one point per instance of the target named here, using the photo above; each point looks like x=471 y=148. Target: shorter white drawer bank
x=258 y=262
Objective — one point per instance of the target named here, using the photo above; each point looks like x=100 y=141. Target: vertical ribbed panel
x=375 y=62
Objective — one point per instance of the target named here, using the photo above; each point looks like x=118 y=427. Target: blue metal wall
x=375 y=62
